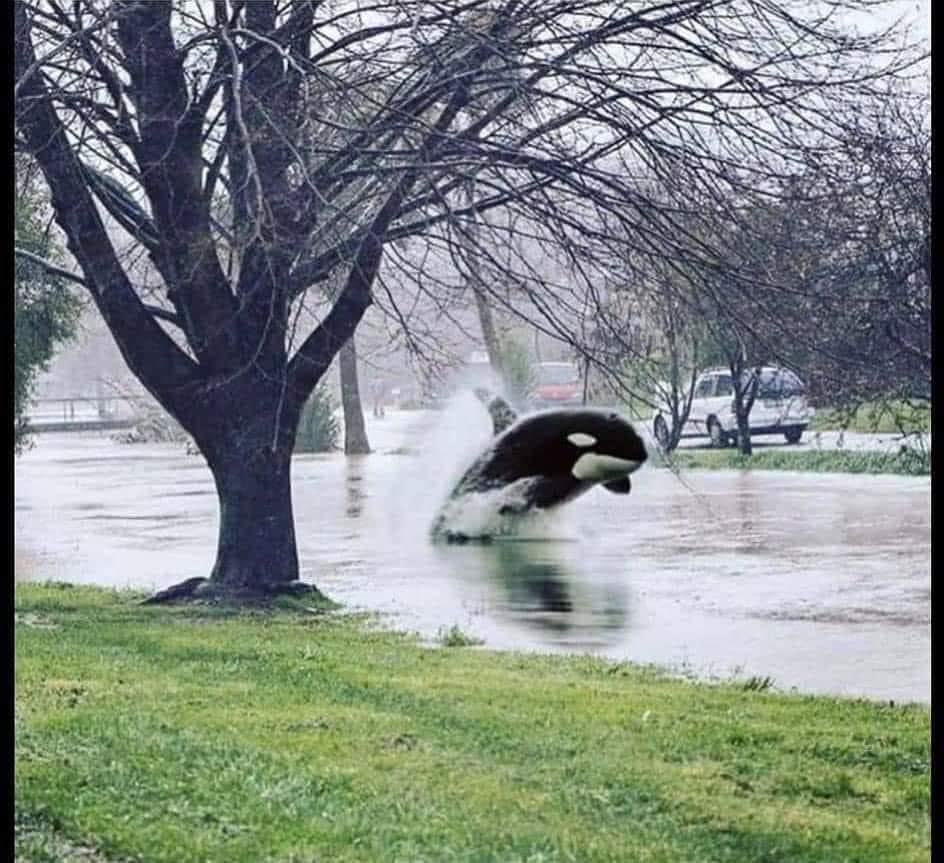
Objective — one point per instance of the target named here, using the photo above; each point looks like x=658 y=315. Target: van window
x=725 y=386
x=779 y=384
x=705 y=388
x=791 y=384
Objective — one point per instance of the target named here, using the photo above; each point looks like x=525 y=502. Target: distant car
x=556 y=385
x=780 y=407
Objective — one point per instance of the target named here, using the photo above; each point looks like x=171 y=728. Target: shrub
x=319 y=429
x=45 y=312
x=518 y=371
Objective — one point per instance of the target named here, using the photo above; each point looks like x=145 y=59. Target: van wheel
x=793 y=435
x=717 y=434
x=661 y=431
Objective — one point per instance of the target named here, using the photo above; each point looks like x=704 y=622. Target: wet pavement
x=819 y=581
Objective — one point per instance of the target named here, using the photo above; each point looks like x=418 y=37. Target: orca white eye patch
x=581 y=439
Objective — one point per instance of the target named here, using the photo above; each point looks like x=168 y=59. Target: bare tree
x=254 y=150
x=835 y=278
x=653 y=337
x=865 y=218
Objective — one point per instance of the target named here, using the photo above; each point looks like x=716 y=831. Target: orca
x=545 y=459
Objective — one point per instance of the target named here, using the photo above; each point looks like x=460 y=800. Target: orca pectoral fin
x=618 y=486
x=542 y=492
x=513 y=508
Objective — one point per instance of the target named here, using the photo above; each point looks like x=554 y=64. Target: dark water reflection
x=354 y=486
x=821 y=581
x=529 y=583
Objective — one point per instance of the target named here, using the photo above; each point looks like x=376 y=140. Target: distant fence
x=84 y=413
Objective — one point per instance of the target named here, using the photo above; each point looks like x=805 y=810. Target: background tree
x=232 y=144
x=517 y=370
x=45 y=311
x=835 y=278
x=865 y=217
x=733 y=328
x=652 y=336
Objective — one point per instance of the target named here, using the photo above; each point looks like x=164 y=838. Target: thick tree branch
x=170 y=161
x=164 y=369
x=316 y=352
x=61 y=273
x=49 y=267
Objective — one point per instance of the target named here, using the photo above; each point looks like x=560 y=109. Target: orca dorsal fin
x=502 y=413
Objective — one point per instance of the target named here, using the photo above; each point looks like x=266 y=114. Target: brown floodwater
x=819 y=581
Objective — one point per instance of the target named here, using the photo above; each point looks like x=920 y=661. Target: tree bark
x=744 y=433
x=355 y=433
x=489 y=334
x=256 y=550
x=743 y=400
x=486 y=321
x=246 y=428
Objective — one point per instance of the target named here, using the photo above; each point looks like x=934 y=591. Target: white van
x=780 y=407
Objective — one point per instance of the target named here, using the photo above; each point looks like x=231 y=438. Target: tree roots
x=206 y=591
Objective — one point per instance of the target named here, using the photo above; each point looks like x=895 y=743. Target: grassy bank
x=183 y=734
x=874 y=418
x=909 y=463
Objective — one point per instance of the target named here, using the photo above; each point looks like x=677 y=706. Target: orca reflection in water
x=541 y=461
x=545 y=588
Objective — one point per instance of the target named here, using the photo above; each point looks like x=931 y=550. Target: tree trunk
x=256 y=551
x=246 y=431
x=744 y=433
x=675 y=431
x=489 y=334
x=486 y=321
x=355 y=434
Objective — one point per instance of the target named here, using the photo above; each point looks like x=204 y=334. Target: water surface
x=820 y=581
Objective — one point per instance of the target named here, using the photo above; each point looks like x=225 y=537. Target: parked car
x=556 y=385
x=780 y=407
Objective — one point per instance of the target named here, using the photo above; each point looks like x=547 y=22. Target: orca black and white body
x=545 y=459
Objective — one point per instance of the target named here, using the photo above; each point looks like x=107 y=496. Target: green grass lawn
x=873 y=417
x=157 y=734
x=910 y=462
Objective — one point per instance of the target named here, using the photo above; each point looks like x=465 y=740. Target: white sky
x=917 y=12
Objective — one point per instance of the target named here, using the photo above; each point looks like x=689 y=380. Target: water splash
x=479 y=516
x=444 y=446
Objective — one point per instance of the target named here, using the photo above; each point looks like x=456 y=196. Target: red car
x=558 y=385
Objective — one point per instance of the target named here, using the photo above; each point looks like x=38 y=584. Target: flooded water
x=821 y=582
